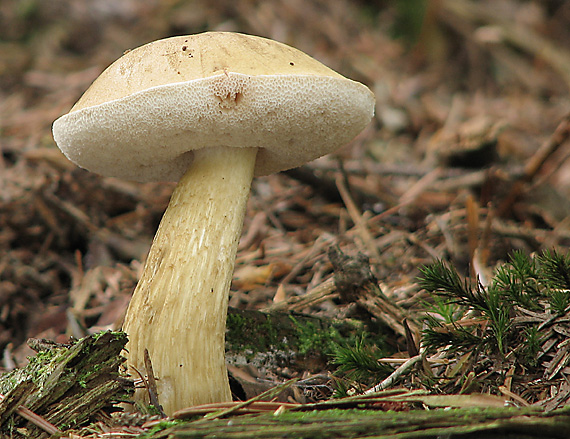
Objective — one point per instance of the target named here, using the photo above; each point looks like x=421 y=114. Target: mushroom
x=210 y=111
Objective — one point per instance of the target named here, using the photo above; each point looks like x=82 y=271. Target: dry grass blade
x=236 y=407
x=356 y=216
x=535 y=163
x=251 y=407
x=388 y=382
x=35 y=419
x=152 y=387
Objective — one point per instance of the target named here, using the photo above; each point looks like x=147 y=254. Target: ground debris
x=451 y=169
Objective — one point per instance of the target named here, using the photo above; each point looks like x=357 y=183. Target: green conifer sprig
x=556 y=274
x=455 y=336
x=531 y=348
x=446 y=311
x=358 y=366
x=518 y=281
x=492 y=327
x=440 y=279
x=555 y=269
x=539 y=285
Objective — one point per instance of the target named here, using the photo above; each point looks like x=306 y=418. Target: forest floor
x=465 y=162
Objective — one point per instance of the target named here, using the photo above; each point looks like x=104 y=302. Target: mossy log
x=298 y=341
x=65 y=385
x=271 y=341
x=302 y=340
x=471 y=423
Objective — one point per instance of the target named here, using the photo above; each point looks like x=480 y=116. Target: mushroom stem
x=179 y=307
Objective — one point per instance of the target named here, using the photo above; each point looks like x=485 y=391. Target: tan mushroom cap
x=144 y=115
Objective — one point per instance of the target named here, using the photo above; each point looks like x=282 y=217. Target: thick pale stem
x=179 y=307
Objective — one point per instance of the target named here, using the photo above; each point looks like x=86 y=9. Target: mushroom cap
x=143 y=116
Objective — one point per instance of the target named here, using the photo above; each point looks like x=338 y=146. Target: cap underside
x=147 y=136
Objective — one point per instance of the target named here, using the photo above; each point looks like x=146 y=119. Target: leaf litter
x=466 y=162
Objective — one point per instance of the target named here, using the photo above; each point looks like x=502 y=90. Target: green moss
x=253 y=332
x=314 y=338
x=354 y=423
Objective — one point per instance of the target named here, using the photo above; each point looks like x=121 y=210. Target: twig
x=514 y=396
x=535 y=163
x=472 y=209
x=253 y=230
x=269 y=394
x=560 y=135
x=152 y=389
x=433 y=360
x=429 y=179
x=35 y=419
x=313 y=251
x=419 y=187
x=360 y=223
x=324 y=291
x=386 y=311
x=396 y=374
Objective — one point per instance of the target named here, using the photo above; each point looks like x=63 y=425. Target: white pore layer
x=147 y=136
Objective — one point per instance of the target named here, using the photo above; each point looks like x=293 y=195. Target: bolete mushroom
x=209 y=111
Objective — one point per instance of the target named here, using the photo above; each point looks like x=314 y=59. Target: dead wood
x=459 y=423
x=66 y=386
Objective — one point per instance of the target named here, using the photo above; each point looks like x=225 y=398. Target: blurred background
x=467 y=92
